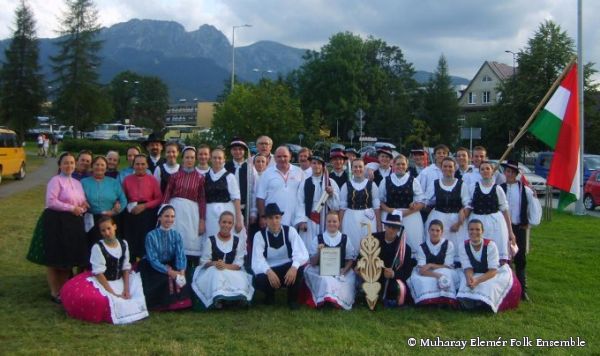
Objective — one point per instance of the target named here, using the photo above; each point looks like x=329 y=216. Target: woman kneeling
x=220 y=278
x=484 y=282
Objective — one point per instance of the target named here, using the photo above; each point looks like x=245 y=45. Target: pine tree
x=80 y=101
x=21 y=84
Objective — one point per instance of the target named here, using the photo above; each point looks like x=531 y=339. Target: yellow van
x=12 y=155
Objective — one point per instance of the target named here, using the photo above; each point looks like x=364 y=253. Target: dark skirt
x=159 y=294
x=65 y=242
x=36 y=247
x=135 y=228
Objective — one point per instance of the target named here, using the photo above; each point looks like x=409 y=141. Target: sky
x=467 y=32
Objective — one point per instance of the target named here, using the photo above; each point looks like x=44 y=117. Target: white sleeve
x=126 y=263
x=419 y=195
x=534 y=208
x=253 y=207
x=313 y=245
x=465 y=195
x=261 y=191
x=423 y=177
x=299 y=252
x=206 y=254
x=333 y=202
x=97 y=260
x=375 y=195
x=502 y=202
x=383 y=191
x=492 y=256
x=449 y=259
x=464 y=258
x=351 y=252
x=429 y=194
x=344 y=196
x=259 y=263
x=240 y=253
x=233 y=187
x=301 y=209
x=157 y=173
x=421 y=258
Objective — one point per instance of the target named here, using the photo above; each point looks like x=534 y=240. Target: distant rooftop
x=503 y=71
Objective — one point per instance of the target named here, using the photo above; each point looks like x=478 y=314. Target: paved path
x=41 y=176
x=571 y=208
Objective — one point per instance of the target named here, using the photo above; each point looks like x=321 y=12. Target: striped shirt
x=187 y=185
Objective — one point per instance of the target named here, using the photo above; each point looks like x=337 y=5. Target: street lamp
x=514 y=55
x=233 y=52
x=262 y=71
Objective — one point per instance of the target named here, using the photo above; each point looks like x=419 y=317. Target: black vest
x=377 y=177
x=339 y=180
x=448 y=201
x=478 y=266
x=164 y=178
x=484 y=204
x=114 y=265
x=341 y=245
x=275 y=242
x=360 y=199
x=217 y=254
x=309 y=194
x=152 y=166
x=437 y=259
x=399 y=197
x=216 y=191
x=242 y=180
x=524 y=203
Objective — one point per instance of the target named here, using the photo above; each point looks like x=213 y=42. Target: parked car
x=591 y=191
x=542 y=164
x=12 y=155
x=538 y=184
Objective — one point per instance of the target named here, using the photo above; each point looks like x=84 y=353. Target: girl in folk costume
x=143 y=195
x=241 y=170
x=337 y=290
x=185 y=192
x=163 y=268
x=402 y=192
x=220 y=278
x=434 y=280
x=316 y=196
x=110 y=292
x=489 y=205
x=359 y=203
x=449 y=197
x=222 y=194
x=165 y=170
x=384 y=168
x=338 y=163
x=485 y=283
x=203 y=157
x=398 y=263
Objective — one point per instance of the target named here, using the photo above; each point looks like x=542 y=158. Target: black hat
x=236 y=141
x=511 y=164
x=317 y=158
x=417 y=149
x=154 y=137
x=351 y=150
x=272 y=209
x=385 y=150
x=393 y=220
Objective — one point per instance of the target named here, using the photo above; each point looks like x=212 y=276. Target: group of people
x=191 y=229
x=47 y=144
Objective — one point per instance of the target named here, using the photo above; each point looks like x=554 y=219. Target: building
x=192 y=113
x=482 y=92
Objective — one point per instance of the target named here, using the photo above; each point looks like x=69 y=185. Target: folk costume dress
x=186 y=193
x=211 y=284
x=499 y=293
x=340 y=178
x=163 y=172
x=337 y=290
x=488 y=203
x=83 y=297
x=65 y=243
x=447 y=200
x=221 y=190
x=397 y=256
x=426 y=289
x=278 y=253
x=164 y=247
x=359 y=201
x=101 y=195
x=140 y=190
x=399 y=193
x=309 y=195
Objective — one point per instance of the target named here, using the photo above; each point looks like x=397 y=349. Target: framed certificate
x=330 y=261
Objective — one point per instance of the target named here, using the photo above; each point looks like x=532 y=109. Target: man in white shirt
x=280 y=185
x=278 y=255
x=304 y=161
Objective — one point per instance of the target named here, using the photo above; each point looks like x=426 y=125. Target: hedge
x=98 y=146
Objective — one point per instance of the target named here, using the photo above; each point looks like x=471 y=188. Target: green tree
x=539 y=64
x=21 y=84
x=440 y=106
x=151 y=103
x=123 y=90
x=80 y=101
x=253 y=110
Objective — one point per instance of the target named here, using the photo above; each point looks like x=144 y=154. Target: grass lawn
x=562 y=285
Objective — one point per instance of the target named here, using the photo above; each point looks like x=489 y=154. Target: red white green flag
x=558 y=127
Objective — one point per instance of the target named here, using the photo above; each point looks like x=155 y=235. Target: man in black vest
x=278 y=255
x=338 y=162
x=154 y=145
x=519 y=199
x=238 y=166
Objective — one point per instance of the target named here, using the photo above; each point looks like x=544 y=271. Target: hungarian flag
x=558 y=127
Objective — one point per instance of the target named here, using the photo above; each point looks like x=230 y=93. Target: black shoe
x=56 y=299
x=293 y=305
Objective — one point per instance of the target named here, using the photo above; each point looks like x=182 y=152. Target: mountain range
x=193 y=64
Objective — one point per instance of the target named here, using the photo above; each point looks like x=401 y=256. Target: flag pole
x=579 y=209
x=537 y=110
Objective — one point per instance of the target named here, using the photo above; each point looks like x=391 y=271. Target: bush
x=98 y=146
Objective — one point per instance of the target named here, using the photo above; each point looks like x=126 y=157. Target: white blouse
x=492 y=256
x=435 y=250
x=226 y=247
x=98 y=261
x=419 y=195
x=359 y=186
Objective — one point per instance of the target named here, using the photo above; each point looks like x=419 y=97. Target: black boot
x=523 y=280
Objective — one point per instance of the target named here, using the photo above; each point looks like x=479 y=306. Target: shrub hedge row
x=98 y=146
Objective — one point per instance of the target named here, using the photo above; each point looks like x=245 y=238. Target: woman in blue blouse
x=104 y=195
x=163 y=268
